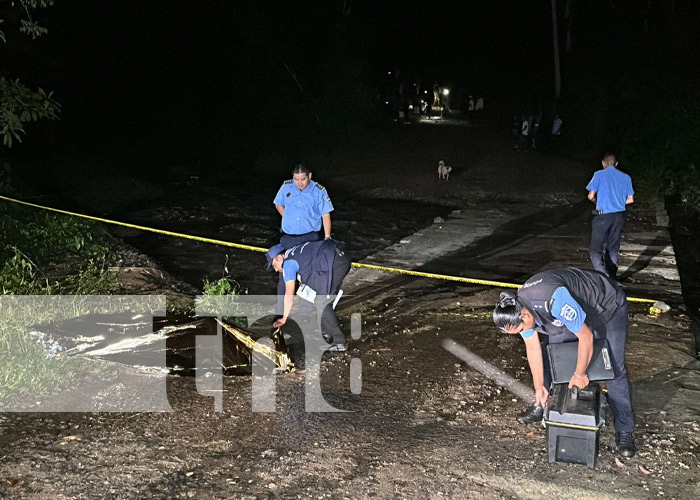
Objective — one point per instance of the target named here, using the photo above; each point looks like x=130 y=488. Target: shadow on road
x=653 y=249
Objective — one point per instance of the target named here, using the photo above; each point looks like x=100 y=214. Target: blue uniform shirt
x=290 y=268
x=612 y=188
x=303 y=209
x=565 y=310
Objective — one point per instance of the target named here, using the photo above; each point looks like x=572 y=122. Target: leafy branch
x=19 y=104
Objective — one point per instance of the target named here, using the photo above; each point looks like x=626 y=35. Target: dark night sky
x=186 y=57
x=189 y=75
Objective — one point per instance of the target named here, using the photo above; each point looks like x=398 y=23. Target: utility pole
x=557 y=68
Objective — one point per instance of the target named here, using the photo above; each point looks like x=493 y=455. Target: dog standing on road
x=444 y=170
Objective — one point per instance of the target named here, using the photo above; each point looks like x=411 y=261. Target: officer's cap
x=272 y=253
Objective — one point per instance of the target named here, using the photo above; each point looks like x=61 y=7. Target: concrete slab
x=494 y=245
x=461 y=229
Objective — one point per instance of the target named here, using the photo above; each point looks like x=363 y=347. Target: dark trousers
x=605 y=242
x=288 y=241
x=327 y=320
x=291 y=240
x=615 y=330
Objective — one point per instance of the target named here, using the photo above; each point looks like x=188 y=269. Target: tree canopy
x=18 y=103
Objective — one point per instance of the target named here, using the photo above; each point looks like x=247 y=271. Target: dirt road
x=424 y=425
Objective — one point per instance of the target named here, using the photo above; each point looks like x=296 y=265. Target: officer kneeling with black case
x=574 y=417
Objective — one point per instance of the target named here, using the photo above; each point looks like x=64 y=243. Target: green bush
x=210 y=301
x=683 y=185
x=18 y=275
x=93 y=279
x=36 y=241
x=33 y=242
x=223 y=286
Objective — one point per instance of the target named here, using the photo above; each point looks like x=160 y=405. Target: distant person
x=555 y=133
x=572 y=305
x=535 y=129
x=320 y=266
x=428 y=103
x=405 y=103
x=445 y=96
x=524 y=136
x=556 y=126
x=611 y=191
x=470 y=104
x=515 y=128
x=305 y=208
x=479 y=106
x=416 y=96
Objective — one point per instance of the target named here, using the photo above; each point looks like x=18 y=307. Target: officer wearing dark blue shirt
x=567 y=305
x=611 y=191
x=320 y=267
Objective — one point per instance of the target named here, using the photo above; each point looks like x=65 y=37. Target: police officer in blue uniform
x=611 y=191
x=566 y=305
x=305 y=208
x=320 y=266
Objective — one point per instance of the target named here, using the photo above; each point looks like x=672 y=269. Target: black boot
x=532 y=415
x=625 y=444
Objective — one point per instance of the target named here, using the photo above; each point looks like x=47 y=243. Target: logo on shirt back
x=528 y=285
x=568 y=312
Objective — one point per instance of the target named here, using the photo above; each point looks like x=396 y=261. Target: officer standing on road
x=567 y=305
x=320 y=267
x=611 y=191
x=305 y=208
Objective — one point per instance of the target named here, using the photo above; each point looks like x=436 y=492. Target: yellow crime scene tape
x=420 y=274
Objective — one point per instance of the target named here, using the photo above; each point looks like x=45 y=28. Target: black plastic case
x=573 y=423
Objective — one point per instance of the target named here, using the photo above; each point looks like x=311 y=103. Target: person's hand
x=279 y=322
x=541 y=396
x=580 y=381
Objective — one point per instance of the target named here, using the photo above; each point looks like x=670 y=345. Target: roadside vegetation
x=219 y=296
x=43 y=256
x=636 y=93
x=40 y=255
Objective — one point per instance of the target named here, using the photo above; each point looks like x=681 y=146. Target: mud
x=425 y=425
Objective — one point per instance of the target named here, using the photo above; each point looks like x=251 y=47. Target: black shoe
x=532 y=415
x=336 y=348
x=625 y=444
